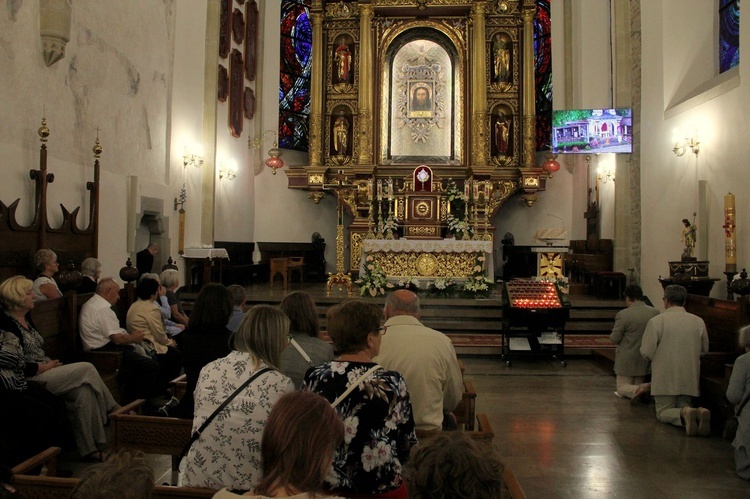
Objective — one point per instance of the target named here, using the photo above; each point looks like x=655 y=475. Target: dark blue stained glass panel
x=729 y=34
x=543 y=75
x=294 y=77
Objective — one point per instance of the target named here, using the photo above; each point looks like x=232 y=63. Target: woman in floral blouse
x=227 y=454
x=377 y=413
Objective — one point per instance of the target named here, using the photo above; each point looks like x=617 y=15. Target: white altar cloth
x=429 y=246
x=209 y=253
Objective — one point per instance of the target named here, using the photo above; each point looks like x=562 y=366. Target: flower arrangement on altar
x=477 y=285
x=410 y=283
x=442 y=288
x=374 y=281
x=452 y=192
x=458 y=227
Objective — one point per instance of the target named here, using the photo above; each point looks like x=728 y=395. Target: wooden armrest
x=181 y=379
x=178 y=386
x=461 y=366
x=161 y=491
x=469 y=390
x=514 y=488
x=483 y=426
x=132 y=408
x=47 y=459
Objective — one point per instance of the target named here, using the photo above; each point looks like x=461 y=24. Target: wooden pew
x=57 y=322
x=48 y=486
x=723 y=318
x=512 y=486
x=465 y=412
x=483 y=431
x=150 y=434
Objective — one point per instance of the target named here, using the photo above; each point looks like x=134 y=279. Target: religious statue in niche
x=502 y=134
x=420 y=103
x=341 y=135
x=501 y=51
x=343 y=58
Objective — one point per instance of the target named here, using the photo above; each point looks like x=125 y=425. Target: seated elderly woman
x=299 y=439
x=309 y=349
x=170 y=279
x=91 y=269
x=144 y=315
x=738 y=393
x=453 y=465
x=86 y=396
x=373 y=403
x=45 y=287
x=37 y=420
x=227 y=453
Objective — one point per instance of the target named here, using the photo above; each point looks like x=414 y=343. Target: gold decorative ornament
x=316 y=196
x=316 y=178
x=427 y=264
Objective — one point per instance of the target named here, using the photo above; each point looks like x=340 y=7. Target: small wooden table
x=285 y=266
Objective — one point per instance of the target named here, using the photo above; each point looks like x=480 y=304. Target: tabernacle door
x=422 y=217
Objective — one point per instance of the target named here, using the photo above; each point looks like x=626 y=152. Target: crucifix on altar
x=339 y=279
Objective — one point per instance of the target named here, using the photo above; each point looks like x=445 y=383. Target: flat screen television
x=592 y=131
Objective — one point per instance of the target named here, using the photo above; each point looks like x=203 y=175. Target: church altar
x=429 y=259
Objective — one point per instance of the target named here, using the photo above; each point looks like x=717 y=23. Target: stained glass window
x=729 y=34
x=543 y=74
x=294 y=82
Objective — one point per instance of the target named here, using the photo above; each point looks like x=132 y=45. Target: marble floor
x=565 y=434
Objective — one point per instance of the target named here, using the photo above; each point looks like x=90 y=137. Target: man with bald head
x=425 y=357
x=100 y=331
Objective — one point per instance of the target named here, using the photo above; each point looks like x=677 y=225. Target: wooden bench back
x=723 y=318
x=48 y=487
x=57 y=322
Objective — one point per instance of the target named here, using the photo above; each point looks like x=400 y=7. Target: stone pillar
x=529 y=90
x=479 y=87
x=366 y=84
x=317 y=76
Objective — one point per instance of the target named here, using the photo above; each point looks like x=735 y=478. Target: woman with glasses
x=373 y=403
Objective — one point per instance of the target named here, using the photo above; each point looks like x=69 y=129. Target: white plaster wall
x=115 y=77
x=669 y=184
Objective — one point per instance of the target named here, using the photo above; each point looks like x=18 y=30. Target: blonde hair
x=169 y=278
x=743 y=335
x=13 y=290
x=262 y=334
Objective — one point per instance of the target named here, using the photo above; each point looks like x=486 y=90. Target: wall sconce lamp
x=192 y=159
x=229 y=173
x=274 y=160
x=605 y=174
x=681 y=146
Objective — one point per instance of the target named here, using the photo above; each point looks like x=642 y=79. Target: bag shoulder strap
x=196 y=434
x=354 y=385
x=738 y=407
x=301 y=351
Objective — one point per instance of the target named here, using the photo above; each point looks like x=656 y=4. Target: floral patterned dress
x=378 y=426
x=227 y=454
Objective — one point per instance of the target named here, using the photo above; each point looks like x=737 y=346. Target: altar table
x=428 y=259
x=209 y=257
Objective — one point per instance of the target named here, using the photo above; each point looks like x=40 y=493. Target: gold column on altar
x=317 y=76
x=529 y=94
x=366 y=85
x=479 y=86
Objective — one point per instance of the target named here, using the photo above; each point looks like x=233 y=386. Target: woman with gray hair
x=227 y=452
x=738 y=393
x=170 y=279
x=45 y=287
x=91 y=269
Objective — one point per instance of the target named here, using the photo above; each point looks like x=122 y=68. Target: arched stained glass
x=729 y=34
x=294 y=82
x=543 y=74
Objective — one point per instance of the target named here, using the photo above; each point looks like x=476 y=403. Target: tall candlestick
x=390 y=189
x=466 y=190
x=369 y=190
x=729 y=231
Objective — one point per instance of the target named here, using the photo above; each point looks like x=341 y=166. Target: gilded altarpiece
x=448 y=84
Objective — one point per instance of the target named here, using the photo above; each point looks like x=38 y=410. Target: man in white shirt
x=425 y=357
x=100 y=331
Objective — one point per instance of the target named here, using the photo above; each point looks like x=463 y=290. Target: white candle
x=729 y=231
